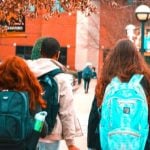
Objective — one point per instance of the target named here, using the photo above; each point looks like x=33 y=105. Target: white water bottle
x=39 y=120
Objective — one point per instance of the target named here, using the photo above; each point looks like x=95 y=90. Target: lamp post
x=142 y=13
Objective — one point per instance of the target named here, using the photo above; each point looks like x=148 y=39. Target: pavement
x=82 y=103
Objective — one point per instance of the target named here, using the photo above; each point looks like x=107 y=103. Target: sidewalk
x=82 y=104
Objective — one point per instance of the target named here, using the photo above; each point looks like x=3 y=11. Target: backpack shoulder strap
x=115 y=82
x=55 y=72
x=136 y=79
x=46 y=77
x=135 y=82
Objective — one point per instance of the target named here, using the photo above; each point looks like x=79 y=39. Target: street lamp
x=142 y=13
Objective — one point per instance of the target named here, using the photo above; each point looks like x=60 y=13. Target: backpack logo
x=50 y=95
x=124 y=115
x=126 y=110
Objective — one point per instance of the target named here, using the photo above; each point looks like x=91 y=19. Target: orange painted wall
x=62 y=28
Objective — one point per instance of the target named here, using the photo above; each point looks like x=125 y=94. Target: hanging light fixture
x=12 y=10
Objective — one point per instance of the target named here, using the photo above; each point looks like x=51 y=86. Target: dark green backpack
x=16 y=122
x=50 y=95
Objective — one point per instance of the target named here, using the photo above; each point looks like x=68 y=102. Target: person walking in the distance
x=87 y=75
x=67 y=126
x=79 y=77
x=94 y=76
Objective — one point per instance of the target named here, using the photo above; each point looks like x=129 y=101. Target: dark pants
x=86 y=84
x=79 y=77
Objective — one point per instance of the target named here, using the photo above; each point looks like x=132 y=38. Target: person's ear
x=58 y=54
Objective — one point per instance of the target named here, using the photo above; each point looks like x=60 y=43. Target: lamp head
x=142 y=13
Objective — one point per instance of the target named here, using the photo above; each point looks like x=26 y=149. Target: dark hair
x=123 y=61
x=49 y=47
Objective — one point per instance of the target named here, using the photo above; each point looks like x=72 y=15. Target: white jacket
x=67 y=126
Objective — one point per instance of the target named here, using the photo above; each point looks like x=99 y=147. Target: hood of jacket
x=42 y=65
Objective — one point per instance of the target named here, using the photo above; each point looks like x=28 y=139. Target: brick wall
x=62 y=28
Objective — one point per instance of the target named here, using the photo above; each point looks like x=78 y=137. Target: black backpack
x=50 y=95
x=16 y=123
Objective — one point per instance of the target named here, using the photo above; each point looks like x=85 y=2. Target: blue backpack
x=124 y=116
x=50 y=95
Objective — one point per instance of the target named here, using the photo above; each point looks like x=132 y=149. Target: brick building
x=78 y=36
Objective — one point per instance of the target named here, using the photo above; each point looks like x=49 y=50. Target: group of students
x=123 y=61
x=21 y=75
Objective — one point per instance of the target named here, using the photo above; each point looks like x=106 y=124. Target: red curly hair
x=16 y=75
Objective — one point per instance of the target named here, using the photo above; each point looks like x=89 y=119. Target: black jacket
x=93 y=140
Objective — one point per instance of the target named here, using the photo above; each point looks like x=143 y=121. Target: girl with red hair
x=15 y=75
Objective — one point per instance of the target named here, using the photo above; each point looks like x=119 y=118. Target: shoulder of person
x=58 y=64
x=145 y=84
x=41 y=66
